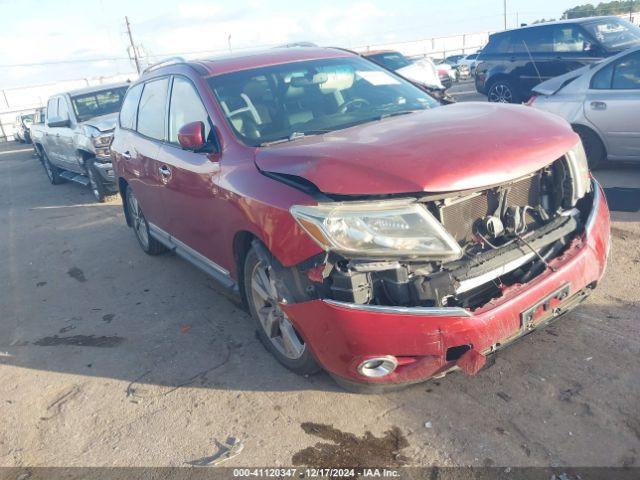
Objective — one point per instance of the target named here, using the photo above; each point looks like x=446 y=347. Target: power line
x=133 y=46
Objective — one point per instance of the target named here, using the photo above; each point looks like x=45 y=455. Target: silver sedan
x=602 y=103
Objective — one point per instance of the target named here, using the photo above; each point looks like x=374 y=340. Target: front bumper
x=341 y=336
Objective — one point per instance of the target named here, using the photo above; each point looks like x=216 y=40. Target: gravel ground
x=111 y=357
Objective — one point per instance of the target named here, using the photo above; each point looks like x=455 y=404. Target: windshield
x=27 y=118
x=285 y=102
x=391 y=60
x=614 y=33
x=98 y=103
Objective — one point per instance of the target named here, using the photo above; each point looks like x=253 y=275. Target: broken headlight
x=579 y=171
x=394 y=228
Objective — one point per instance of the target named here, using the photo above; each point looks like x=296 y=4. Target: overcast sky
x=32 y=31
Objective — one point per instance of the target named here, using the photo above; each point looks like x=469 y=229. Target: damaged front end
x=460 y=249
x=437 y=281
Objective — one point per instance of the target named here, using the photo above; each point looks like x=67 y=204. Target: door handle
x=126 y=155
x=165 y=171
x=598 y=106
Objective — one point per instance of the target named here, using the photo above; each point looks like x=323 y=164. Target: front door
x=191 y=197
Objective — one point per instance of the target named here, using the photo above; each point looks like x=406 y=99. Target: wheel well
x=498 y=76
x=241 y=246
x=577 y=127
x=84 y=155
x=122 y=188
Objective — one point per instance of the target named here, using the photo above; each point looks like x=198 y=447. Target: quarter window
x=186 y=107
x=151 y=112
x=130 y=107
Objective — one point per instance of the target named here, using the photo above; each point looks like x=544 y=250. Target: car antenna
x=532 y=60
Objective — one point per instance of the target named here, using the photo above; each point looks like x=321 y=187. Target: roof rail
x=167 y=61
x=296 y=44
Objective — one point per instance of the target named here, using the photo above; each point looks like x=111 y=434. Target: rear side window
x=186 y=107
x=621 y=75
x=498 y=44
x=534 y=40
x=130 y=107
x=626 y=75
x=151 y=112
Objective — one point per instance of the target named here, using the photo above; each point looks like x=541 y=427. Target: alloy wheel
x=138 y=220
x=500 y=93
x=273 y=320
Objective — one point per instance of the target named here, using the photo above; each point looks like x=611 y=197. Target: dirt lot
x=111 y=357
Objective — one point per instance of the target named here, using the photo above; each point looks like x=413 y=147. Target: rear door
x=191 y=197
x=147 y=182
x=612 y=104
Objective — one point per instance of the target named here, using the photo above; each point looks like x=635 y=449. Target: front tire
x=99 y=190
x=275 y=330
x=503 y=91
x=149 y=245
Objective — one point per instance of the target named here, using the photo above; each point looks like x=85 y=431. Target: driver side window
x=186 y=107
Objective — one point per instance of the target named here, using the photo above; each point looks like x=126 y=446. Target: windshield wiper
x=397 y=114
x=290 y=138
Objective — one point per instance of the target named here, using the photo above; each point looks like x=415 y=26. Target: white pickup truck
x=75 y=141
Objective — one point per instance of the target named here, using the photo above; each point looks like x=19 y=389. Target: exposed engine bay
x=508 y=233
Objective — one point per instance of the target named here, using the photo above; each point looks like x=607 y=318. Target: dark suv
x=515 y=61
x=368 y=230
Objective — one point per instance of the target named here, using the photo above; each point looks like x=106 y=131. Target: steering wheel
x=344 y=108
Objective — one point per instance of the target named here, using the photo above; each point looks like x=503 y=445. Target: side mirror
x=57 y=122
x=191 y=136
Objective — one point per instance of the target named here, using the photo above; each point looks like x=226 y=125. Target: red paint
x=208 y=200
x=341 y=338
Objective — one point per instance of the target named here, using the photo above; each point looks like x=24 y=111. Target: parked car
x=36 y=129
x=602 y=103
x=78 y=132
x=421 y=72
x=462 y=69
x=470 y=61
x=447 y=69
x=368 y=230
x=21 y=128
x=515 y=61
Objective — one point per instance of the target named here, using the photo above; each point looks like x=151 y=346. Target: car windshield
x=285 y=102
x=614 y=33
x=101 y=102
x=391 y=60
x=27 y=118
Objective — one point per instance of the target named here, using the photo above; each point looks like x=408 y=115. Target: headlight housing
x=394 y=228
x=102 y=141
x=579 y=171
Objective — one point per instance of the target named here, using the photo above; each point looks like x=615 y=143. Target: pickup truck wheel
x=53 y=172
x=149 y=245
x=275 y=330
x=96 y=184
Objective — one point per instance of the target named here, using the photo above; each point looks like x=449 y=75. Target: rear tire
x=52 y=171
x=149 y=245
x=504 y=90
x=593 y=147
x=275 y=331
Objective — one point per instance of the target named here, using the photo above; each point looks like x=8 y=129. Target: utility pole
x=133 y=47
x=505 y=14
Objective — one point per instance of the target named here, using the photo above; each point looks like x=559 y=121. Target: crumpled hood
x=422 y=71
x=458 y=147
x=104 y=123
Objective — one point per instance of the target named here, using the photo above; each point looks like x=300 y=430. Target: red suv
x=369 y=231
